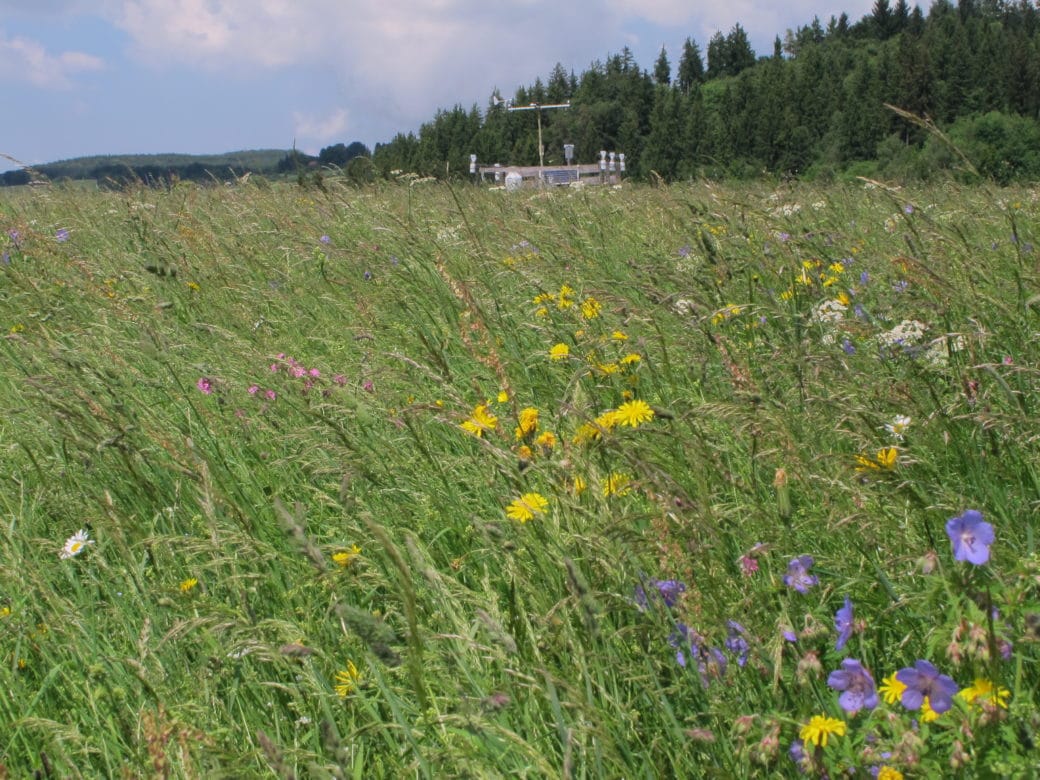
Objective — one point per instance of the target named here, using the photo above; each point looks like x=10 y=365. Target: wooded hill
x=815 y=107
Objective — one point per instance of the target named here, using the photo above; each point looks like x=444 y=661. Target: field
x=431 y=481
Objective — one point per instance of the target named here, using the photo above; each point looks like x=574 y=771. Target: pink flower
x=748 y=565
x=270 y=395
x=339 y=379
x=297 y=371
x=204 y=385
x=274 y=368
x=314 y=373
x=253 y=389
x=368 y=386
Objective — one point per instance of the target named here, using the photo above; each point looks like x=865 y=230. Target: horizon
x=153 y=77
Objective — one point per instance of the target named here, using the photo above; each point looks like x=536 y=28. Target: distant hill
x=123 y=168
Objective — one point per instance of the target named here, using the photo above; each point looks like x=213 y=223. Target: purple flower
x=670 y=591
x=923 y=679
x=736 y=643
x=864 y=278
x=971 y=537
x=325 y=239
x=784 y=236
x=798 y=576
x=908 y=209
x=684 y=251
x=901 y=285
x=62 y=235
x=685 y=640
x=14 y=235
x=856 y=685
x=204 y=385
x=843 y=623
x=848 y=347
x=5 y=259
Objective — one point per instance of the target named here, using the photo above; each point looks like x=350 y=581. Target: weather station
x=608 y=170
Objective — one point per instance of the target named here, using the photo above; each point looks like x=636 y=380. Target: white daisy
x=75 y=544
x=898 y=426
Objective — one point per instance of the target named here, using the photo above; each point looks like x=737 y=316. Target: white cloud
x=313 y=131
x=26 y=60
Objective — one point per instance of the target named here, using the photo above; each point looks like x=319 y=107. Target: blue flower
x=798 y=577
x=971 y=537
x=856 y=685
x=923 y=680
x=736 y=643
x=843 y=623
x=62 y=235
x=669 y=590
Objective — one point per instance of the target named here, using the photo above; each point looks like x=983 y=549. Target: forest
x=964 y=78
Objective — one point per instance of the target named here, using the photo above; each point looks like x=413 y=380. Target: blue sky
x=81 y=77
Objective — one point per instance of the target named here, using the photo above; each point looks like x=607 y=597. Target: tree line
x=819 y=105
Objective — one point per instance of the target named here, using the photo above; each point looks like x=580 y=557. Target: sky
x=85 y=77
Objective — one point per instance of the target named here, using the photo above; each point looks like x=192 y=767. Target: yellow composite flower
x=578 y=484
x=527 y=506
x=984 y=691
x=819 y=729
x=630 y=358
x=345 y=557
x=480 y=421
x=891 y=689
x=885 y=460
x=546 y=439
x=188 y=585
x=347 y=680
x=889 y=773
x=633 y=413
x=927 y=713
x=559 y=351
x=503 y=396
x=590 y=308
x=566 y=297
x=616 y=484
x=607 y=368
x=617 y=335
x=528 y=422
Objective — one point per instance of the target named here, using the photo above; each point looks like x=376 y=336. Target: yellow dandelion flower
x=347 y=680
x=819 y=729
x=633 y=413
x=590 y=308
x=566 y=297
x=984 y=691
x=608 y=368
x=546 y=439
x=630 y=359
x=891 y=689
x=541 y=311
x=889 y=773
x=559 y=352
x=586 y=432
x=607 y=420
x=344 y=558
x=787 y=294
x=617 y=335
x=528 y=422
x=527 y=506
x=844 y=299
x=188 y=585
x=525 y=453
x=838 y=268
x=579 y=485
x=543 y=298
x=503 y=396
x=194 y=286
x=616 y=484
x=927 y=713
x=885 y=460
x=5 y=612
x=480 y=421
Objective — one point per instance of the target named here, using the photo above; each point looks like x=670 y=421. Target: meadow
x=426 y=480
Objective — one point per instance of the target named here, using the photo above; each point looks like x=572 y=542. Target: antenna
x=537 y=108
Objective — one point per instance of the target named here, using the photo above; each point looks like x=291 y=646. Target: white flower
x=898 y=426
x=829 y=311
x=75 y=544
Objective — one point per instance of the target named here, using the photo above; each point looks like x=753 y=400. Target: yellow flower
x=617 y=484
x=578 y=484
x=837 y=268
x=889 y=773
x=541 y=311
x=590 y=308
x=528 y=422
x=843 y=299
x=546 y=439
x=891 y=689
x=984 y=692
x=607 y=368
x=347 y=680
x=617 y=335
x=5 y=612
x=566 y=297
x=481 y=420
x=543 y=298
x=503 y=396
x=633 y=413
x=527 y=506
x=346 y=557
x=559 y=351
x=819 y=728
x=524 y=453
x=886 y=459
x=927 y=713
x=194 y=286
x=630 y=358
x=188 y=585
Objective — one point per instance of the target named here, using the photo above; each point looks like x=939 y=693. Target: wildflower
x=885 y=460
x=75 y=544
x=503 y=396
x=617 y=335
x=62 y=235
x=848 y=347
x=344 y=558
x=748 y=565
x=971 y=537
x=923 y=679
x=736 y=643
x=579 y=485
x=843 y=623
x=546 y=440
x=480 y=421
x=891 y=689
x=590 y=308
x=985 y=692
x=188 y=585
x=898 y=426
x=325 y=239
x=527 y=506
x=669 y=590
x=616 y=484
x=889 y=773
x=819 y=729
x=205 y=385
x=798 y=577
x=927 y=713
x=347 y=680
x=566 y=297
x=856 y=685
x=630 y=359
x=633 y=413
x=528 y=422
x=270 y=395
x=559 y=351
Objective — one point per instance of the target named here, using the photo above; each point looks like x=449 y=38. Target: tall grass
x=261 y=403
